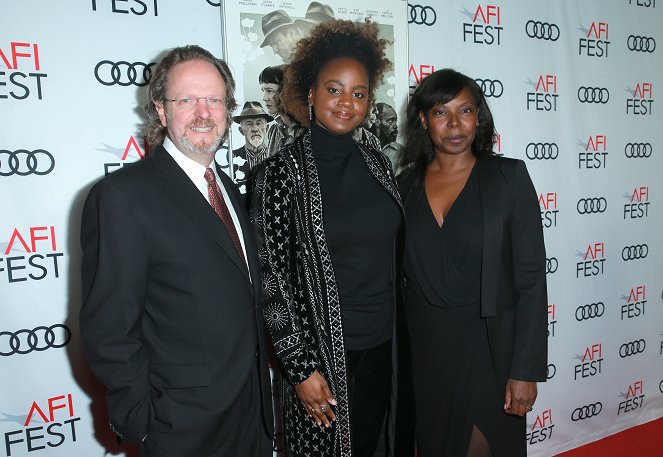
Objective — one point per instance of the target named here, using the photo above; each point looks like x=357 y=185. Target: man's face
x=269 y=93
x=284 y=42
x=197 y=131
x=388 y=125
x=254 y=130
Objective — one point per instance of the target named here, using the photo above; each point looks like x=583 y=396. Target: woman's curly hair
x=327 y=41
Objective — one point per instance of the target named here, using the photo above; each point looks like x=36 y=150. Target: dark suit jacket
x=170 y=319
x=513 y=278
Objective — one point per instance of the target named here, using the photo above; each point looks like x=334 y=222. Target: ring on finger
x=324 y=408
x=313 y=410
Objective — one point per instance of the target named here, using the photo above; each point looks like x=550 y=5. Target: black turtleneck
x=361 y=220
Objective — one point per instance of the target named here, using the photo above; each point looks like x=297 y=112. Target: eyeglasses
x=188 y=103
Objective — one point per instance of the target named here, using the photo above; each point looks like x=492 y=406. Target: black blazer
x=513 y=277
x=170 y=319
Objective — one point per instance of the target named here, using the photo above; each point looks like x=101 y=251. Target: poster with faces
x=260 y=37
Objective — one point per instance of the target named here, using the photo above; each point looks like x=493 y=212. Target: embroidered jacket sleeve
x=284 y=304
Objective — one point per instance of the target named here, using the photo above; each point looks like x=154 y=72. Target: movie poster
x=260 y=39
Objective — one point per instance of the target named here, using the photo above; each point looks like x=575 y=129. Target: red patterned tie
x=219 y=205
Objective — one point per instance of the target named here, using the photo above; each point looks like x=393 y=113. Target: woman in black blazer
x=474 y=273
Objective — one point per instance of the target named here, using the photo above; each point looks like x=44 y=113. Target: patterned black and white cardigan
x=301 y=300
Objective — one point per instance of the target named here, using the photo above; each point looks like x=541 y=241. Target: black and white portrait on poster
x=260 y=39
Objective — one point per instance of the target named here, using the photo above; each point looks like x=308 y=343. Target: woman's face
x=452 y=126
x=340 y=95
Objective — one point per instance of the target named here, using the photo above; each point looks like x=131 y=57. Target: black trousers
x=369 y=389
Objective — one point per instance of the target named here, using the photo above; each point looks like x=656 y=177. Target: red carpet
x=642 y=441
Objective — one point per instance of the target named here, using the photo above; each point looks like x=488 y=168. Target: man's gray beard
x=209 y=149
x=256 y=141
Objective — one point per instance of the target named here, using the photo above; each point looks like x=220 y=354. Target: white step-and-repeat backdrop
x=572 y=86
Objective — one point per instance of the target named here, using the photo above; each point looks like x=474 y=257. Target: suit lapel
x=490 y=193
x=179 y=188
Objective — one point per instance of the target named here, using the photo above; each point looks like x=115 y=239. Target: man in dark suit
x=171 y=285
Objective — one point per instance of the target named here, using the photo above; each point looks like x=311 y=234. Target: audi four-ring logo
x=593 y=94
x=584 y=312
x=592 y=205
x=123 y=73
x=38 y=339
x=542 y=30
x=552 y=370
x=640 y=43
x=422 y=15
x=634 y=252
x=637 y=150
x=587 y=411
x=632 y=348
x=542 y=151
x=491 y=87
x=23 y=162
x=551 y=265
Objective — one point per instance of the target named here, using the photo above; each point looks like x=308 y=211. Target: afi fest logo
x=133 y=7
x=48 y=424
x=593 y=261
x=129 y=154
x=544 y=97
x=417 y=74
x=486 y=25
x=638 y=203
x=643 y=3
x=594 y=42
x=635 y=303
x=590 y=362
x=548 y=206
x=551 y=320
x=20 y=71
x=31 y=254
x=642 y=99
x=594 y=152
x=634 y=398
x=497 y=143
x=542 y=428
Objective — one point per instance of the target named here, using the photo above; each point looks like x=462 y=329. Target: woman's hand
x=317 y=399
x=520 y=397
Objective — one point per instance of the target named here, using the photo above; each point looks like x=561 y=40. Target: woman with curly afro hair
x=328 y=216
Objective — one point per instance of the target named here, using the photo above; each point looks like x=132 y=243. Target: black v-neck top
x=443 y=263
x=360 y=220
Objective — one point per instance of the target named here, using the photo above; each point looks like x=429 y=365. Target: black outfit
x=457 y=381
x=361 y=221
x=170 y=321
x=307 y=269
